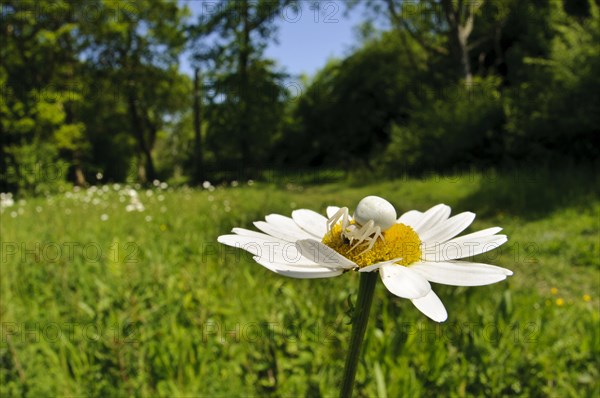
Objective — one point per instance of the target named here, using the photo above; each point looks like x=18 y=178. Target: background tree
x=93 y=90
x=346 y=114
x=247 y=92
x=202 y=56
x=38 y=69
x=136 y=46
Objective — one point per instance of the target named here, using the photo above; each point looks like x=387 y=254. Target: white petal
x=286 y=234
x=404 y=282
x=267 y=247
x=288 y=254
x=311 y=221
x=372 y=267
x=322 y=254
x=432 y=306
x=461 y=273
x=461 y=248
x=448 y=229
x=376 y=266
x=282 y=250
x=256 y=234
x=331 y=210
x=480 y=234
x=295 y=272
x=431 y=218
x=410 y=218
x=284 y=223
x=249 y=242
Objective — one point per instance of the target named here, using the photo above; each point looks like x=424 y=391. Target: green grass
x=157 y=308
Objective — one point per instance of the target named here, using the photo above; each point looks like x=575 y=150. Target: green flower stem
x=360 y=319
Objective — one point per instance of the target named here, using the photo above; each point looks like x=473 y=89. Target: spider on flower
x=373 y=216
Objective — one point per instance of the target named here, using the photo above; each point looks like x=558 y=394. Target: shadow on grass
x=532 y=194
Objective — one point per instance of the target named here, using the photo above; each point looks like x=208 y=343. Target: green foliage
x=245 y=110
x=450 y=129
x=155 y=307
x=533 y=98
x=69 y=79
x=554 y=115
x=346 y=113
x=445 y=85
x=228 y=136
x=137 y=54
x=37 y=57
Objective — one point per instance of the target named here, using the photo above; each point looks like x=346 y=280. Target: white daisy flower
x=408 y=252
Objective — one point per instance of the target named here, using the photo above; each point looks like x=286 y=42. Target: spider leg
x=378 y=234
x=341 y=213
x=363 y=233
x=345 y=219
x=373 y=239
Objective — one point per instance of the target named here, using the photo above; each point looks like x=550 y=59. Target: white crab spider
x=373 y=216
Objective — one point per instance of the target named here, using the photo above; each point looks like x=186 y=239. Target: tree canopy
x=94 y=90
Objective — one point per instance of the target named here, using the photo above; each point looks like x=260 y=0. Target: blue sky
x=307 y=39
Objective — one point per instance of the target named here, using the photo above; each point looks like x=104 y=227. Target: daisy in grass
x=408 y=252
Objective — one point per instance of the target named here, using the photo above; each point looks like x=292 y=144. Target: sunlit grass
x=97 y=300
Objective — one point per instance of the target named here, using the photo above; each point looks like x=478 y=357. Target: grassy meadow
x=106 y=292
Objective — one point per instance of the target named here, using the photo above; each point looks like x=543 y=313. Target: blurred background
x=133 y=133
x=205 y=90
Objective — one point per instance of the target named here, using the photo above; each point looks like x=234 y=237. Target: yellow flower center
x=401 y=241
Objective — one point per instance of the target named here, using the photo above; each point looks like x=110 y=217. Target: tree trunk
x=461 y=23
x=198 y=172
x=79 y=176
x=463 y=55
x=243 y=74
x=77 y=153
x=138 y=131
